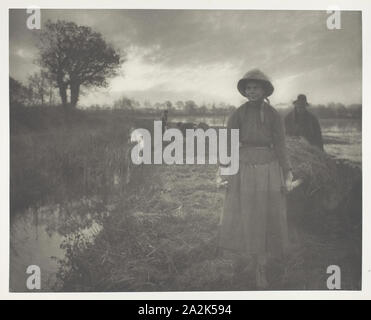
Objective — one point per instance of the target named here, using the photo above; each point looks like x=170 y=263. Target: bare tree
x=37 y=85
x=179 y=105
x=125 y=104
x=76 y=56
x=41 y=87
x=190 y=107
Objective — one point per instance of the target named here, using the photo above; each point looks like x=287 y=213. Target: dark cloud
x=285 y=43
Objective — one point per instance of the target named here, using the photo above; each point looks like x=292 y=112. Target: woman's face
x=254 y=91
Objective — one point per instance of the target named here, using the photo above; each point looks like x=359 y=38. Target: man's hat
x=302 y=99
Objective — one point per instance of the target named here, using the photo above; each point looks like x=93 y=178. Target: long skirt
x=254 y=220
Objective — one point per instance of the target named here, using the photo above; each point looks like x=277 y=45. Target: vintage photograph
x=185 y=150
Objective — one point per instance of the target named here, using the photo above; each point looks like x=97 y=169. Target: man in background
x=300 y=122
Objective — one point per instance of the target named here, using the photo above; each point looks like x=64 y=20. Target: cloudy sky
x=201 y=54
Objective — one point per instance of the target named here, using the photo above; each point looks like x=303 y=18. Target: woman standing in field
x=254 y=220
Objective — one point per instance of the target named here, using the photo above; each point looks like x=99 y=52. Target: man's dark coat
x=306 y=125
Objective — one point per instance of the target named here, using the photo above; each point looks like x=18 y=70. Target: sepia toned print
x=185 y=150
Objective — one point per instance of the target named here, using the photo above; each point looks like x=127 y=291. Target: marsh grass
x=55 y=158
x=163 y=237
x=161 y=228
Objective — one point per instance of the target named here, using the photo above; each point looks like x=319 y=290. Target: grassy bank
x=163 y=238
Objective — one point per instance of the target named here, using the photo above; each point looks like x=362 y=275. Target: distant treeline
x=39 y=93
x=337 y=110
x=189 y=107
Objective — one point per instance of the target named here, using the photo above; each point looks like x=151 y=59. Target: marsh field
x=75 y=216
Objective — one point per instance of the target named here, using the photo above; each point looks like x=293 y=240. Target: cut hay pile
x=327 y=181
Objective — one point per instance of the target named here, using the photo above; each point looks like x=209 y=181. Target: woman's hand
x=221 y=180
x=288 y=183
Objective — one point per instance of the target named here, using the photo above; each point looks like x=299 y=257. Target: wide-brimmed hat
x=302 y=98
x=256 y=75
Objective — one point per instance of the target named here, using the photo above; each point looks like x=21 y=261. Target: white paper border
x=362 y=5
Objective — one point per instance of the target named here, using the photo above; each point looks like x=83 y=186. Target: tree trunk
x=75 y=90
x=63 y=93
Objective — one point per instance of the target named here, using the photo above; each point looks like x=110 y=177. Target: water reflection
x=36 y=237
x=342 y=137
